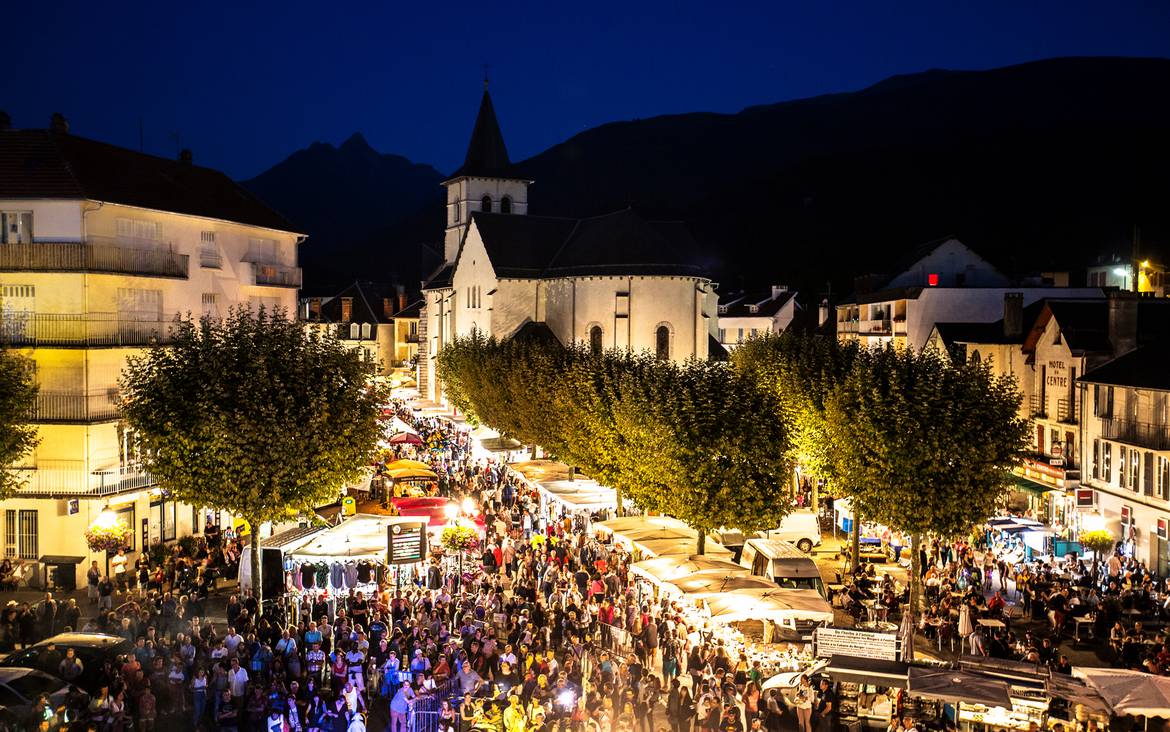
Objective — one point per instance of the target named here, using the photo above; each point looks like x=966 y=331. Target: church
x=610 y=281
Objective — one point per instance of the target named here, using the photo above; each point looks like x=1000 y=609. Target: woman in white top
x=803 y=700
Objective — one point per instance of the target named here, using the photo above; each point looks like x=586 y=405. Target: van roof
x=777 y=549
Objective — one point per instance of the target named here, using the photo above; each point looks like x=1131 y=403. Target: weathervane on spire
x=485 y=76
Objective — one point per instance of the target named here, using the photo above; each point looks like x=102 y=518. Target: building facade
x=375 y=319
x=102 y=248
x=746 y=315
x=612 y=281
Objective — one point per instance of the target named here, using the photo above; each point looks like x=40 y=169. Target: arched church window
x=486 y=204
x=506 y=205
x=455 y=213
x=662 y=342
x=975 y=357
x=595 y=344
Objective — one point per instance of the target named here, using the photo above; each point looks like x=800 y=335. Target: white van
x=781 y=563
x=801 y=528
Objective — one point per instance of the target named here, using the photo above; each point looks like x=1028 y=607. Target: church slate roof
x=620 y=243
x=50 y=164
x=487 y=156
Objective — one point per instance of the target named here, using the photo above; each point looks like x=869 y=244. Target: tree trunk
x=915 y=575
x=701 y=545
x=254 y=552
x=855 y=541
x=617 y=492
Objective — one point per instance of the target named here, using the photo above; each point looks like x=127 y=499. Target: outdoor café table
x=1088 y=620
x=991 y=623
x=874 y=608
x=1132 y=614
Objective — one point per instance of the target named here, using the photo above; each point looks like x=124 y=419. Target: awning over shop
x=867 y=671
x=956 y=686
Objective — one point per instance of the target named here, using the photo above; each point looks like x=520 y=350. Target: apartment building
x=101 y=248
x=743 y=315
x=377 y=319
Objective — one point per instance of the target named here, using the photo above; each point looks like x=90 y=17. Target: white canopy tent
x=362 y=536
x=664 y=569
x=581 y=494
x=777 y=604
x=715 y=582
x=658 y=536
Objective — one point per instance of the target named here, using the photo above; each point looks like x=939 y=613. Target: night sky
x=245 y=86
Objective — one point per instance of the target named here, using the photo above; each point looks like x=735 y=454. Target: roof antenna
x=485 y=76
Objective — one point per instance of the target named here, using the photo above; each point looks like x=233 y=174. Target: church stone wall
x=513 y=305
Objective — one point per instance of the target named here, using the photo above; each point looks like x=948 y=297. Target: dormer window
x=485 y=205
x=753 y=308
x=506 y=205
x=723 y=310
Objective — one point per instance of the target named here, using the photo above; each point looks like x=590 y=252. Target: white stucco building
x=744 y=315
x=612 y=281
x=100 y=249
x=943 y=281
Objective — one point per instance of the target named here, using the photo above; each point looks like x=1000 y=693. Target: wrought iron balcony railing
x=95 y=254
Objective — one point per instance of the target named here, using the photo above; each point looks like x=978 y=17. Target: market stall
x=715 y=582
x=657 y=536
x=1129 y=693
x=795 y=613
x=663 y=569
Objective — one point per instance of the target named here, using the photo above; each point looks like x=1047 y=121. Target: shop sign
x=1086 y=498
x=1161 y=529
x=145 y=533
x=406 y=542
x=1048 y=471
x=829 y=642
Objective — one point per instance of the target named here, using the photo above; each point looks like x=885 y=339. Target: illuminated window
x=932 y=279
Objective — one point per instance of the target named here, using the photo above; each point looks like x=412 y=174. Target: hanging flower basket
x=109 y=538
x=459 y=538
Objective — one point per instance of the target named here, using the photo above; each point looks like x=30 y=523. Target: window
x=505 y=205
x=26 y=534
x=1161 y=408
x=485 y=204
x=1148 y=476
x=722 y=335
x=595 y=342
x=139 y=304
x=1056 y=337
x=163 y=514
x=975 y=357
x=1135 y=468
x=211 y=305
x=209 y=251
x=1102 y=401
x=1096 y=466
x=16 y=227
x=367 y=329
x=1107 y=462
x=10 y=534
x=455 y=212
x=126 y=516
x=263 y=251
x=354 y=330
x=1123 y=472
x=739 y=335
x=1164 y=478
x=662 y=342
x=137 y=230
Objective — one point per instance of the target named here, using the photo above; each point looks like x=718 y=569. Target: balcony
x=1141 y=434
x=1066 y=411
x=83 y=330
x=877 y=326
x=75 y=407
x=1038 y=407
x=69 y=479
x=276 y=275
x=412 y=337
x=96 y=254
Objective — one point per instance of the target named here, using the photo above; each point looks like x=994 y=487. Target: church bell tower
x=486 y=182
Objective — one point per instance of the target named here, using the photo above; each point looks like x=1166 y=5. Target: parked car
x=782 y=563
x=94 y=649
x=19 y=690
x=801 y=528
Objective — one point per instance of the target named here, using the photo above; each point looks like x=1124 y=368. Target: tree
x=18 y=398
x=924 y=445
x=255 y=414
x=1100 y=542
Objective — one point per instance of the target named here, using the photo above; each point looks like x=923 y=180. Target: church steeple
x=486 y=182
x=487 y=156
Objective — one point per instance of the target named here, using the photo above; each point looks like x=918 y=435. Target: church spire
x=487 y=157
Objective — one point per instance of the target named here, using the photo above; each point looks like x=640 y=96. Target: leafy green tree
x=255 y=414
x=18 y=395
x=923 y=445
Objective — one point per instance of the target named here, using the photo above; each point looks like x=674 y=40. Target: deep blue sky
x=245 y=85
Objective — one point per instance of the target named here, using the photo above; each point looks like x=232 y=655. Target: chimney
x=5 y=121
x=1013 y=314
x=346 y=309
x=314 y=308
x=58 y=123
x=823 y=312
x=185 y=156
x=401 y=298
x=1123 y=317
x=778 y=290
x=388 y=307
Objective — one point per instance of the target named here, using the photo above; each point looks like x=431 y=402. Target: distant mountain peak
x=356 y=141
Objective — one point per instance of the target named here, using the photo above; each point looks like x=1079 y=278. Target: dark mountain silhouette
x=1038 y=165
x=355 y=203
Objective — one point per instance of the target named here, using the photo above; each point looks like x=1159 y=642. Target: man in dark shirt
x=825 y=707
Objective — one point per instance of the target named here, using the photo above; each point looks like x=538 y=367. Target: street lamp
x=469 y=506
x=452 y=511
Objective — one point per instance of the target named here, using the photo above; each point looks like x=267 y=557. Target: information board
x=856 y=644
x=406 y=542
